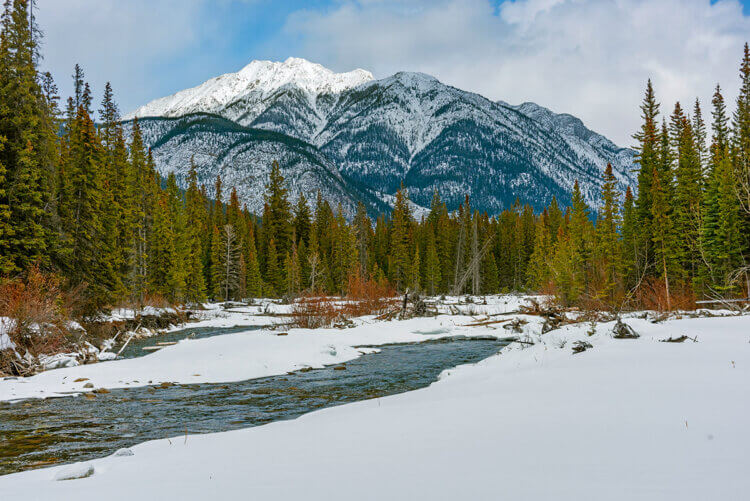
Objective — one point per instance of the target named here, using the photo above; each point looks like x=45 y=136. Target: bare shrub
x=315 y=312
x=364 y=297
x=652 y=295
x=39 y=311
x=368 y=296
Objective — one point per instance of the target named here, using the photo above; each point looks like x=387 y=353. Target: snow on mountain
x=374 y=135
x=243 y=158
x=254 y=85
x=412 y=128
x=587 y=143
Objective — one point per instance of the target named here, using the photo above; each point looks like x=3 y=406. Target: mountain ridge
x=407 y=128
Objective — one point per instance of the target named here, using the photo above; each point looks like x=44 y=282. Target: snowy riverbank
x=245 y=355
x=626 y=419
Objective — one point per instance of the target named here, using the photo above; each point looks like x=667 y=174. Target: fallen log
x=487 y=322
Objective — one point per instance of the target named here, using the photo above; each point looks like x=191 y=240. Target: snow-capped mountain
x=244 y=95
x=356 y=138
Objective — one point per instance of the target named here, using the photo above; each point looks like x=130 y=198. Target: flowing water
x=135 y=347
x=38 y=433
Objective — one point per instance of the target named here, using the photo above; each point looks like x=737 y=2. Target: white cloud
x=590 y=58
x=124 y=42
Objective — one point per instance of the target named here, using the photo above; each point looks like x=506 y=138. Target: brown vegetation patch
x=364 y=297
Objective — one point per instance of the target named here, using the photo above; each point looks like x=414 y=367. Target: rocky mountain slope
x=356 y=138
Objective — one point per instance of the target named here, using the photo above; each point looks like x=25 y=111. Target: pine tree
x=630 y=240
x=344 y=258
x=720 y=125
x=277 y=222
x=302 y=220
x=581 y=235
x=741 y=133
x=293 y=272
x=363 y=232
x=490 y=284
x=663 y=234
x=217 y=264
x=196 y=216
x=539 y=274
x=416 y=264
x=741 y=156
x=721 y=232
x=687 y=201
x=432 y=265
x=700 y=136
x=400 y=266
x=647 y=158
x=177 y=271
x=162 y=251
x=26 y=129
x=254 y=282
x=608 y=239
x=274 y=273
x=555 y=218
x=141 y=188
x=563 y=269
x=6 y=228
x=78 y=86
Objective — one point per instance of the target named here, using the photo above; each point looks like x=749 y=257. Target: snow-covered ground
x=626 y=419
x=6 y=324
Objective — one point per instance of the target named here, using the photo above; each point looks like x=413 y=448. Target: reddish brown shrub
x=367 y=296
x=39 y=310
x=364 y=297
x=652 y=295
x=314 y=312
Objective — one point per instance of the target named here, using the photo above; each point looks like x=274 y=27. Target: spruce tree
x=26 y=129
x=647 y=158
x=6 y=228
x=630 y=233
x=277 y=222
x=363 y=232
x=663 y=235
x=399 y=258
x=581 y=235
x=217 y=264
x=302 y=219
x=254 y=282
x=432 y=265
x=608 y=239
x=539 y=274
x=196 y=216
x=274 y=272
x=687 y=200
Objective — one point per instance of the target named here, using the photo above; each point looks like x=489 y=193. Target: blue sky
x=587 y=57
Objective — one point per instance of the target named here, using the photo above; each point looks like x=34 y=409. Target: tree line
x=83 y=201
x=685 y=235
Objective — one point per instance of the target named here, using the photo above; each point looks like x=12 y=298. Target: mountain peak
x=260 y=78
